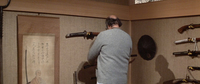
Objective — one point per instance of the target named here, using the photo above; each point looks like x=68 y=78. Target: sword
x=186 y=27
x=85 y=34
x=191 y=53
x=75 y=77
x=193 y=68
x=187 y=40
x=26 y=67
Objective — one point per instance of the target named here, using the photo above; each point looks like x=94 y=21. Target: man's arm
x=95 y=50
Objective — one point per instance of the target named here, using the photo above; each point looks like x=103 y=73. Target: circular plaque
x=146 y=47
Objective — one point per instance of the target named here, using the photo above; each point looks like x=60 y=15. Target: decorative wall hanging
x=38 y=49
x=146 y=47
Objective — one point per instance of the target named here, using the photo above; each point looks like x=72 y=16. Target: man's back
x=114 y=48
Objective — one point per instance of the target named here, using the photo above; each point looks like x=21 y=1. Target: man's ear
x=109 y=27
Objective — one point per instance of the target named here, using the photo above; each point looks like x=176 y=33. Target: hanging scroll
x=39 y=63
x=38 y=49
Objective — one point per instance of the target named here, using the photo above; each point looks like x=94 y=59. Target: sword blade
x=78 y=34
x=181 y=41
x=180 y=53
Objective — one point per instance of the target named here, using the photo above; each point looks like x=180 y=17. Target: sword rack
x=192 y=53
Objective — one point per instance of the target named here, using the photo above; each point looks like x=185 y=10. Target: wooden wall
x=102 y=8
x=120 y=2
x=161 y=21
x=73 y=51
x=89 y=15
x=164 y=9
x=164 y=66
x=71 y=7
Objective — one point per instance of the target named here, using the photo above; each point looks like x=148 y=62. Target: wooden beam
x=165 y=9
x=3 y=2
x=71 y=7
x=158 y=9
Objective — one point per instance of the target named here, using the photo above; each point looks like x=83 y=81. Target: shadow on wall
x=162 y=68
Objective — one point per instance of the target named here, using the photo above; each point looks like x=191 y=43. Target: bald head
x=113 y=22
x=113 y=16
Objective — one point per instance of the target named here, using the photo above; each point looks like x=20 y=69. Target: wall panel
x=70 y=7
x=73 y=51
x=164 y=9
x=165 y=66
x=10 y=58
x=120 y=2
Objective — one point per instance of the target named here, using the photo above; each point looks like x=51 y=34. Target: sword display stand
x=191 y=53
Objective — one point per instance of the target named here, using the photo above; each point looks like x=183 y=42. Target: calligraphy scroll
x=40 y=58
x=38 y=49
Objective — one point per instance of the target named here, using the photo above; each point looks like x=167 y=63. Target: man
x=111 y=49
x=37 y=79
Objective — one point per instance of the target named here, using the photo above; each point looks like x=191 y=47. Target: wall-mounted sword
x=133 y=55
x=191 y=53
x=186 y=27
x=193 y=68
x=185 y=81
x=85 y=34
x=188 y=40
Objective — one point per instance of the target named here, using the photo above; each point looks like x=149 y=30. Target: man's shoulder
x=104 y=32
x=113 y=31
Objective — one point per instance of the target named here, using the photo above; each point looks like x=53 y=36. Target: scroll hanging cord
x=192 y=76
x=195 y=45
